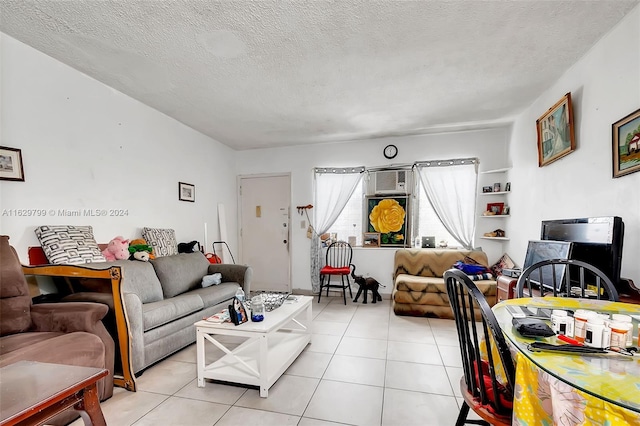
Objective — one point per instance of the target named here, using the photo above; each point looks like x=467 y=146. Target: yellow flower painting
x=388 y=216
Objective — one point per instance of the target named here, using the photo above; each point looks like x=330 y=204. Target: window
x=349 y=223
x=428 y=223
x=425 y=221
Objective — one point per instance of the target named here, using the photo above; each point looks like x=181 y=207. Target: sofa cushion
x=410 y=283
x=163 y=241
x=432 y=262
x=211 y=296
x=78 y=348
x=165 y=311
x=181 y=272
x=15 y=301
x=69 y=244
x=137 y=277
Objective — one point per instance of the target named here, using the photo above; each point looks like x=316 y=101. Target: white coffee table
x=271 y=347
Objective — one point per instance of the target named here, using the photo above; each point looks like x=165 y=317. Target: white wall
x=87 y=146
x=604 y=86
x=490 y=146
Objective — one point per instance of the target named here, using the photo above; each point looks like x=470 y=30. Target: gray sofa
x=163 y=298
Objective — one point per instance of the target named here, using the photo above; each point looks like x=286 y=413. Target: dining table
x=558 y=388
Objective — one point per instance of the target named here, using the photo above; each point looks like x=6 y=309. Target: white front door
x=265 y=205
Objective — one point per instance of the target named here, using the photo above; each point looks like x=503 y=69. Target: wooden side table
x=506 y=287
x=33 y=392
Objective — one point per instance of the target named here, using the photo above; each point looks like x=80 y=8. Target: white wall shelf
x=495 y=193
x=495 y=238
x=496 y=171
x=496 y=216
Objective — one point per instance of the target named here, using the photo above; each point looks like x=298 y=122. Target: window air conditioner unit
x=390 y=182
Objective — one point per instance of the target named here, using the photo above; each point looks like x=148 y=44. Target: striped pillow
x=64 y=244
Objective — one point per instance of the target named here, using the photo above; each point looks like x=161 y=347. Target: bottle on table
x=257 y=308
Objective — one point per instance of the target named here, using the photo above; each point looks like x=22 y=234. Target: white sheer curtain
x=450 y=186
x=333 y=188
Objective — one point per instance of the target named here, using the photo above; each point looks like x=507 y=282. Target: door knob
x=284 y=241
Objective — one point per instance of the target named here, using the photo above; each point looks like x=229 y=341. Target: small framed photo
x=626 y=145
x=237 y=312
x=186 y=192
x=496 y=187
x=506 y=210
x=507 y=187
x=11 y=164
x=371 y=239
x=495 y=208
x=487 y=189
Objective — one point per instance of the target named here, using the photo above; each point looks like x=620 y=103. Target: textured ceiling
x=254 y=74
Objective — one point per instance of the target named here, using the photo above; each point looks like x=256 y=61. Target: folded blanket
x=470 y=269
x=478 y=277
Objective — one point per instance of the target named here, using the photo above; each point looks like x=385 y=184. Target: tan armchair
x=58 y=333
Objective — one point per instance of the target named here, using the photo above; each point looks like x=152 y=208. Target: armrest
x=240 y=274
x=68 y=317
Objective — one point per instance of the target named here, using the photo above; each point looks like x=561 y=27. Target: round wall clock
x=390 y=151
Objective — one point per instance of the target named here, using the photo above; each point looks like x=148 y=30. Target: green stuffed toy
x=140 y=252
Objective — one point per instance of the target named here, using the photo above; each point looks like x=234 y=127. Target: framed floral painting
x=390 y=217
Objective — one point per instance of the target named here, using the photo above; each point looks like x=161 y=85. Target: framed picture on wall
x=555 y=132
x=626 y=145
x=11 y=164
x=389 y=216
x=186 y=192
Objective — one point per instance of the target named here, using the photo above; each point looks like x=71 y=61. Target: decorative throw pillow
x=69 y=244
x=504 y=262
x=163 y=241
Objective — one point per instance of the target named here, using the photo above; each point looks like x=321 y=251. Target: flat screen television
x=538 y=251
x=596 y=240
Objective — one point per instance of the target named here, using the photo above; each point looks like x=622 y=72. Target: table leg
x=89 y=407
x=200 y=357
x=263 y=367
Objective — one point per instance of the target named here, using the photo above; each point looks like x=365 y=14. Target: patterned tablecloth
x=561 y=389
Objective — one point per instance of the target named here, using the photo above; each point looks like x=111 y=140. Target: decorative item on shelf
x=488 y=213
x=496 y=187
x=555 y=132
x=506 y=210
x=371 y=239
x=507 y=187
x=11 y=164
x=496 y=208
x=626 y=145
x=443 y=244
x=497 y=233
x=486 y=189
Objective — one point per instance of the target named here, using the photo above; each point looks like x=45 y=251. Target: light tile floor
x=365 y=366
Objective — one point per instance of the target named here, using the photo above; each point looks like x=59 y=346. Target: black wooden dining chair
x=337 y=263
x=565 y=278
x=481 y=390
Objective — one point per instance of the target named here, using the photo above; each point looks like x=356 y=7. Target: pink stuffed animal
x=118 y=249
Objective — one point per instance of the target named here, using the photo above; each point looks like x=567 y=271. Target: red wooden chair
x=338 y=262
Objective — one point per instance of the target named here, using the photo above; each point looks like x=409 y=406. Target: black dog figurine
x=366 y=284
